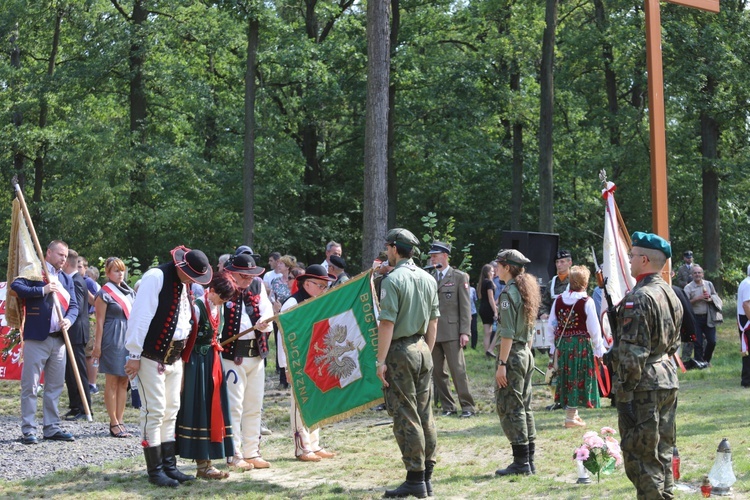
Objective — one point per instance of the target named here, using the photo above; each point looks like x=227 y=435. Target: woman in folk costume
x=203 y=423
x=112 y=308
x=574 y=324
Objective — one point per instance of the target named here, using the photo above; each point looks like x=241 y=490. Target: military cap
x=402 y=237
x=563 y=254
x=512 y=257
x=440 y=247
x=337 y=261
x=652 y=241
x=688 y=253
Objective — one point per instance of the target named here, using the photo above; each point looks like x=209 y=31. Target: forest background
x=135 y=126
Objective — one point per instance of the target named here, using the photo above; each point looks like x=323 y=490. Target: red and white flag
x=615 y=263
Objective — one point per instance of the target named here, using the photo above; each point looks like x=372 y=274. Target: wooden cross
x=660 y=216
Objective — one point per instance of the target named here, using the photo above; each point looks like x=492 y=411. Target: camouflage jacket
x=648 y=333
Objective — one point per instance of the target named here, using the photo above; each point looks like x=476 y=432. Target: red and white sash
x=125 y=301
x=62 y=294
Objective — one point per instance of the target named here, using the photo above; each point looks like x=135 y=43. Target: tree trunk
x=546 y=113
x=610 y=78
x=710 y=133
x=392 y=170
x=44 y=110
x=248 y=199
x=516 y=193
x=376 y=132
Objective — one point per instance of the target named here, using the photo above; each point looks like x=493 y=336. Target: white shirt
x=265 y=310
x=288 y=304
x=325 y=264
x=743 y=295
x=270 y=276
x=592 y=322
x=144 y=310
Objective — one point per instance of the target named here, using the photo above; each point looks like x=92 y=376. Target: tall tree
x=546 y=119
x=376 y=130
x=248 y=219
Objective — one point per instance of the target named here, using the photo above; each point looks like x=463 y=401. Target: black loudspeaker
x=539 y=248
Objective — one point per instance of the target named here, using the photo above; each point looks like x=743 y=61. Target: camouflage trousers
x=648 y=442
x=513 y=402
x=408 y=399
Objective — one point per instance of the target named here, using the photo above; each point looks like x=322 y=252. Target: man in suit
x=44 y=348
x=453 y=332
x=79 y=337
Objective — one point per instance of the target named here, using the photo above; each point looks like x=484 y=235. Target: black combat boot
x=428 y=467
x=414 y=485
x=156 y=468
x=169 y=463
x=520 y=465
x=532 y=449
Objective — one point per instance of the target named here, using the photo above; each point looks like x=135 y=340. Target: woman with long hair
x=112 y=307
x=203 y=422
x=519 y=305
x=574 y=324
x=487 y=304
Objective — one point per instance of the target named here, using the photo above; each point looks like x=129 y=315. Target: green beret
x=512 y=257
x=402 y=237
x=652 y=241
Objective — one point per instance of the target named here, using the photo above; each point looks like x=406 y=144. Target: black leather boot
x=532 y=449
x=169 y=462
x=428 y=467
x=155 y=468
x=520 y=465
x=414 y=486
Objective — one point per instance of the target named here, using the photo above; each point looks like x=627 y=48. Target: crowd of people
x=193 y=339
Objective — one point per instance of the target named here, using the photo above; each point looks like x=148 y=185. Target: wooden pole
x=56 y=302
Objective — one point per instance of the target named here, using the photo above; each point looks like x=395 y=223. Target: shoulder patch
x=504 y=304
x=382 y=293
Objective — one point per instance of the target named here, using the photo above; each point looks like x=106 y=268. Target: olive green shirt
x=408 y=298
x=511 y=321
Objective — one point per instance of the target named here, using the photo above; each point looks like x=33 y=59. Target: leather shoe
x=75 y=416
x=466 y=414
x=257 y=462
x=324 y=453
x=60 y=436
x=309 y=457
x=448 y=413
x=29 y=438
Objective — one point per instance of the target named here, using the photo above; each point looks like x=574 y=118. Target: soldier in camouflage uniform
x=519 y=303
x=648 y=333
x=409 y=310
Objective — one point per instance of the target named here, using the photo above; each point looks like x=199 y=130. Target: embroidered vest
x=250 y=297
x=162 y=327
x=576 y=325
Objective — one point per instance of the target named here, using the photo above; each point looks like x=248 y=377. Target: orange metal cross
x=659 y=198
x=660 y=216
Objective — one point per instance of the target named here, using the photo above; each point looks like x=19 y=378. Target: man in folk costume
x=243 y=359
x=558 y=284
x=44 y=347
x=160 y=332
x=307 y=447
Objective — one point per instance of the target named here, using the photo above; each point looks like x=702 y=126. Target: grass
x=712 y=405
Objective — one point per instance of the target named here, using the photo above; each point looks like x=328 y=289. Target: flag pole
x=245 y=332
x=56 y=302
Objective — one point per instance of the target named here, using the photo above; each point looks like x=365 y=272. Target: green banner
x=331 y=344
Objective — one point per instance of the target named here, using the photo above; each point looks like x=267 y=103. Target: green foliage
x=178 y=179
x=430 y=222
